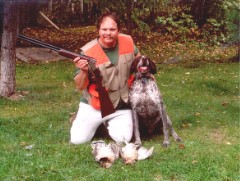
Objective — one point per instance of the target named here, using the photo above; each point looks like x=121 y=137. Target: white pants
x=120 y=128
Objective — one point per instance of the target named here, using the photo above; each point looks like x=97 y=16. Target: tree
x=50 y=6
x=28 y=12
x=1 y=19
x=8 y=48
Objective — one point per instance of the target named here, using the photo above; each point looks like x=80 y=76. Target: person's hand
x=81 y=63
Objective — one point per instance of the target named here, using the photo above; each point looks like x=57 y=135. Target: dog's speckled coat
x=147 y=103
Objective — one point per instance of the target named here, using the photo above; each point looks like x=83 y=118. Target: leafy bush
x=213 y=21
x=232 y=19
x=176 y=25
x=211 y=32
x=218 y=20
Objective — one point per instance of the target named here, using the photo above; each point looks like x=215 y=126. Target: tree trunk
x=130 y=6
x=8 y=48
x=28 y=12
x=81 y=6
x=50 y=6
x=1 y=23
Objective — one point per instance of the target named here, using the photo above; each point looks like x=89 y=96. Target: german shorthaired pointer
x=149 y=114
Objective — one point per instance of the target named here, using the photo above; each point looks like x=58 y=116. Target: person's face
x=108 y=32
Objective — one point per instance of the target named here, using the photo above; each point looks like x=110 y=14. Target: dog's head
x=143 y=65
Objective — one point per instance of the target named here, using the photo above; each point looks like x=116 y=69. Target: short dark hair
x=112 y=15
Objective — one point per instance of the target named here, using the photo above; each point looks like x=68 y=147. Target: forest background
x=195 y=44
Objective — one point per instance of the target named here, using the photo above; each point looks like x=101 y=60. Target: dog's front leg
x=163 y=115
x=174 y=134
x=136 y=129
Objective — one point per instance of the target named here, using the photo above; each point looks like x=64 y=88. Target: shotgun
x=105 y=102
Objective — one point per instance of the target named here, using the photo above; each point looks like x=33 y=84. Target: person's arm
x=81 y=79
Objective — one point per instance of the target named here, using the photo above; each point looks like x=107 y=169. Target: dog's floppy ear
x=152 y=67
x=133 y=68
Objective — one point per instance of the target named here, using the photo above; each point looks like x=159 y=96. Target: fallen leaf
x=23 y=143
x=228 y=143
x=225 y=103
x=197 y=114
x=194 y=161
x=181 y=146
x=29 y=147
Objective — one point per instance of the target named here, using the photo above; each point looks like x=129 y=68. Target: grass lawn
x=202 y=102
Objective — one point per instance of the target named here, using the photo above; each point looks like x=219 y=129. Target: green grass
x=202 y=102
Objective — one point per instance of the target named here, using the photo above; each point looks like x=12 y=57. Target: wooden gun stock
x=105 y=102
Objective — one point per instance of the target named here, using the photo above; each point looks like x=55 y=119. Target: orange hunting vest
x=115 y=77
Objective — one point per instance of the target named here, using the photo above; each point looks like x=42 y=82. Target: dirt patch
x=37 y=55
x=18 y=95
x=220 y=136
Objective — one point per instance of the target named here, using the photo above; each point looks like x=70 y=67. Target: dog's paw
x=176 y=137
x=166 y=144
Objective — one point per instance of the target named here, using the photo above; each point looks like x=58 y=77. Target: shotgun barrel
x=105 y=102
x=61 y=51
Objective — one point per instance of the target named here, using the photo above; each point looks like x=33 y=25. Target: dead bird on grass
x=105 y=154
x=131 y=153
